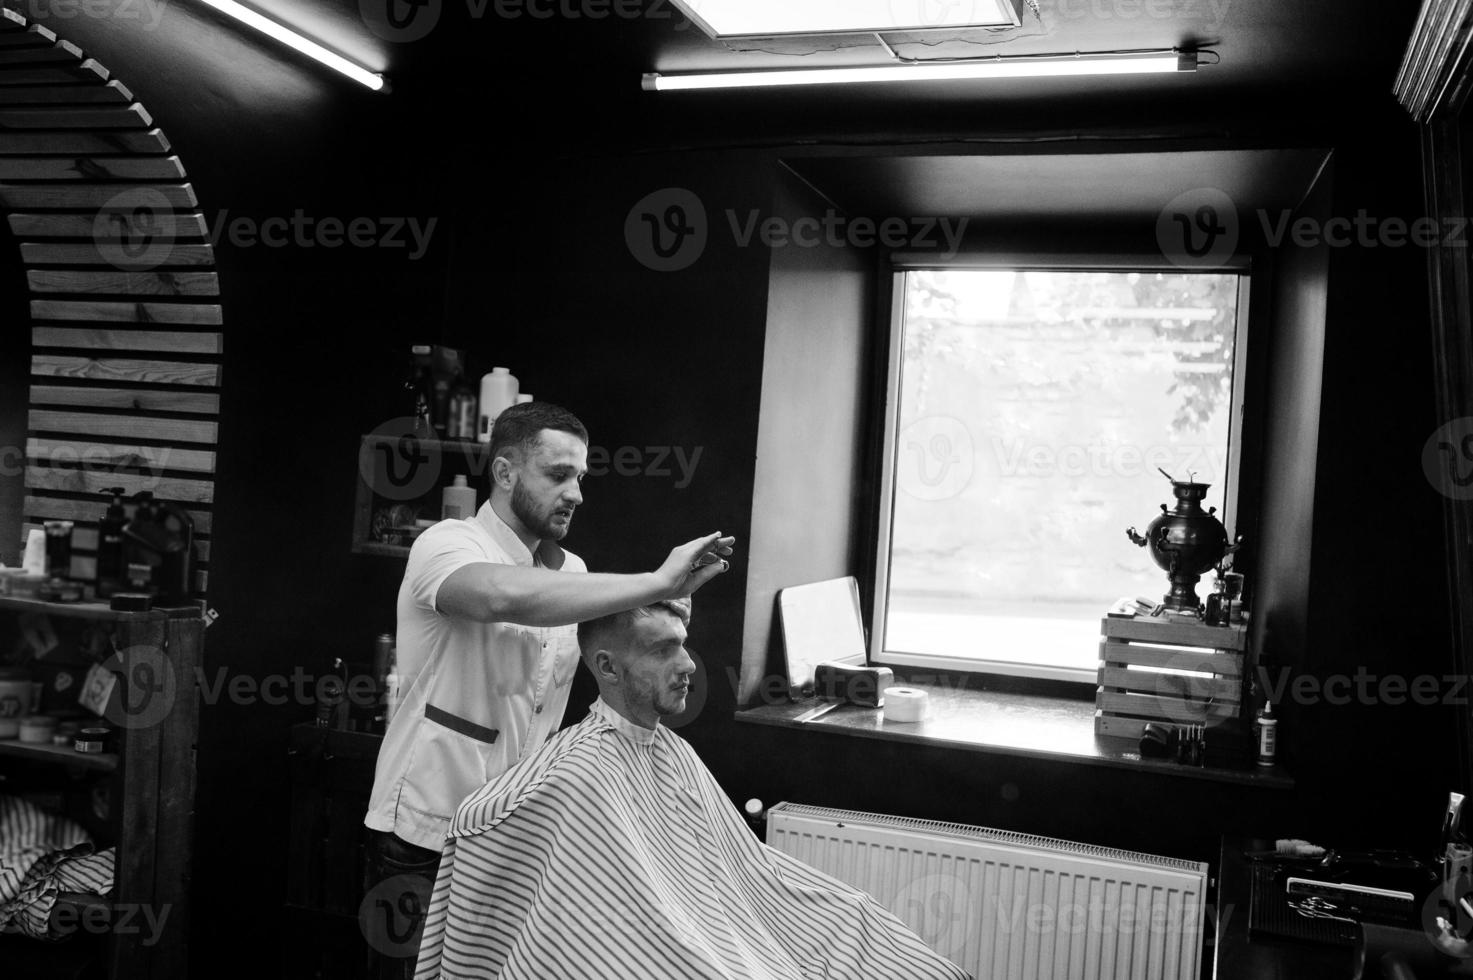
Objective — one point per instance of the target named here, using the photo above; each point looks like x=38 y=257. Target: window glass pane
x=1035 y=408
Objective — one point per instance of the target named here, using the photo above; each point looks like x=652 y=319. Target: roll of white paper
x=905 y=704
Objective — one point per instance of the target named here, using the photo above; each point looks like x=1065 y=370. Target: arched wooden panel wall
x=125 y=316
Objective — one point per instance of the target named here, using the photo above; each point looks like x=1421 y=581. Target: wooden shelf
x=99 y=611
x=59 y=756
x=385 y=550
x=443 y=445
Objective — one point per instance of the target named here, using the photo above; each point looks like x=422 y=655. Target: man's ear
x=502 y=472
x=603 y=666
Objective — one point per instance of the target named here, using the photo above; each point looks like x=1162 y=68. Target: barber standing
x=487 y=648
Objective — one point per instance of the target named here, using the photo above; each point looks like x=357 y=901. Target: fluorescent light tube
x=296 y=41
x=1145 y=62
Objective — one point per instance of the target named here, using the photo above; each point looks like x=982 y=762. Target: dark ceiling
x=564 y=75
x=993 y=188
x=518 y=48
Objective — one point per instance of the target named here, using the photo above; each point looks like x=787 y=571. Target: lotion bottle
x=498 y=392
x=458 y=501
x=1268 y=734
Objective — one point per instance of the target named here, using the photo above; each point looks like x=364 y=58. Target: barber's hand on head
x=695 y=563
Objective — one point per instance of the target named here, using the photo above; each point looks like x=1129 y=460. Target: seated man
x=612 y=852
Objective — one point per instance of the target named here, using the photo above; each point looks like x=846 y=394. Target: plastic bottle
x=419 y=390
x=444 y=371
x=440 y=406
x=331 y=696
x=498 y=392
x=34 y=559
x=458 y=501
x=462 y=422
x=59 y=548
x=340 y=698
x=391 y=692
x=383 y=653
x=383 y=656
x=1268 y=734
x=522 y=399
x=110 y=565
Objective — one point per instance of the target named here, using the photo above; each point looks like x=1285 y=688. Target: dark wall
x=1288 y=454
x=1378 y=586
x=1342 y=606
x=529 y=268
x=663 y=364
x=809 y=472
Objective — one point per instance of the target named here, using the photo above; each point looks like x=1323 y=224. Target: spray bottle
x=1268 y=735
x=110 y=563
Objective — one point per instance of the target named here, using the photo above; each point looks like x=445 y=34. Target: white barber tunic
x=474 y=697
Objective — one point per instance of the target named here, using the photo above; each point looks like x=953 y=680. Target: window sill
x=1030 y=725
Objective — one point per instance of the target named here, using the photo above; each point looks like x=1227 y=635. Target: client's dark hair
x=593 y=632
x=517 y=427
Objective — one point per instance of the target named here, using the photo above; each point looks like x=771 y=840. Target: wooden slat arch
x=125 y=312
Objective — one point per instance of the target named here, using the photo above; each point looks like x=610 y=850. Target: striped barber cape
x=41 y=856
x=613 y=853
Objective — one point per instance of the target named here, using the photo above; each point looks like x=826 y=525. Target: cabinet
x=138 y=797
x=332 y=777
x=399 y=481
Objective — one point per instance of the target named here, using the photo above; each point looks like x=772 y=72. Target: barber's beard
x=540 y=524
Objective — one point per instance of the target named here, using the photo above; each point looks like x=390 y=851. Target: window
x=1030 y=415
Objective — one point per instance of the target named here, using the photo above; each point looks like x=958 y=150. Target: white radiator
x=1006 y=906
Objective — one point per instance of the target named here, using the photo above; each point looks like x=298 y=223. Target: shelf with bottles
x=401 y=484
x=442 y=400
x=406 y=464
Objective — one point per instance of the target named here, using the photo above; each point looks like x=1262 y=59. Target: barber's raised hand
x=695 y=563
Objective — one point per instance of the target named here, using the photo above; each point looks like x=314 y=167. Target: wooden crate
x=1169 y=672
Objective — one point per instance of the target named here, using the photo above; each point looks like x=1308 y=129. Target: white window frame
x=903 y=263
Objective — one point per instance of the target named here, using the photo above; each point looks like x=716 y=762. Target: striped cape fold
x=613 y=852
x=43 y=855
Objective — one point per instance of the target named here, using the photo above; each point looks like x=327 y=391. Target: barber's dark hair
x=593 y=632
x=517 y=427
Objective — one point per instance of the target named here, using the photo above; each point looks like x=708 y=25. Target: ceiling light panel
x=770 y=18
